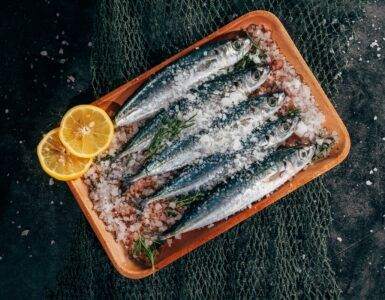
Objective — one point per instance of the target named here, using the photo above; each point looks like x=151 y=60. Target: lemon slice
x=86 y=130
x=57 y=161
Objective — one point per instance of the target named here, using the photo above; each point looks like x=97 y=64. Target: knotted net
x=279 y=253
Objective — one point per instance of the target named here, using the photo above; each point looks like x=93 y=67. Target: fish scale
x=186 y=151
x=168 y=85
x=217 y=168
x=248 y=186
x=237 y=85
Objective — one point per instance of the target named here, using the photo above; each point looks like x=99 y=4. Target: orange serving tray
x=112 y=101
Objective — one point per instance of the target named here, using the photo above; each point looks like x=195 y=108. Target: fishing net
x=279 y=253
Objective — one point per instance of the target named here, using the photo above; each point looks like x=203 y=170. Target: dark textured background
x=35 y=92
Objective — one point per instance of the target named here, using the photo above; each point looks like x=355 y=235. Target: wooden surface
x=192 y=240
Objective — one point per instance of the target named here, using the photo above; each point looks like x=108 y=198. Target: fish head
x=252 y=79
x=270 y=102
x=279 y=131
x=232 y=51
x=302 y=156
x=286 y=127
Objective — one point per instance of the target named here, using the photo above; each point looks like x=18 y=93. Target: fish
x=255 y=110
x=189 y=71
x=219 y=167
x=245 y=188
x=204 y=101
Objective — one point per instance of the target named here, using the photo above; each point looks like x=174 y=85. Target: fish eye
x=286 y=126
x=236 y=83
x=272 y=101
x=302 y=154
x=255 y=75
x=237 y=45
x=267 y=137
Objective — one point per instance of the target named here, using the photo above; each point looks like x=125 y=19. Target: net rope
x=280 y=252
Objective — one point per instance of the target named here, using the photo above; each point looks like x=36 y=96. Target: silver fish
x=186 y=151
x=248 y=187
x=189 y=71
x=234 y=87
x=218 y=168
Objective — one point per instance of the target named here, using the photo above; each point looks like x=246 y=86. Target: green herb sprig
x=141 y=248
x=168 y=131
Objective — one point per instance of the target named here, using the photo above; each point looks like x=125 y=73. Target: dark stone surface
x=358 y=209
x=34 y=93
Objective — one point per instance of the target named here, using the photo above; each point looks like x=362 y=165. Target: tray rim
x=118 y=96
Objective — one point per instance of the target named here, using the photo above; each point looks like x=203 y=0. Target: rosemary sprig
x=189 y=199
x=168 y=131
x=140 y=248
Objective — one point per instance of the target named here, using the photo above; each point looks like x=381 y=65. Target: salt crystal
x=25 y=232
x=6 y=110
x=371 y=172
x=371 y=230
x=52 y=242
x=44 y=53
x=378 y=55
x=339 y=239
x=1 y=257
x=89 y=44
x=374 y=44
x=61 y=51
x=375 y=118
x=368 y=182
x=51 y=182
x=70 y=78
x=375 y=169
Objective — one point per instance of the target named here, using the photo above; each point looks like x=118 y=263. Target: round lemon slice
x=57 y=161
x=86 y=130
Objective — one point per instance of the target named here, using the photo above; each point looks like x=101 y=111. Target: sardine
x=247 y=187
x=219 y=167
x=230 y=125
x=201 y=106
x=171 y=83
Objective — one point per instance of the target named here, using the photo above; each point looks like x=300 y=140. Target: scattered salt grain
x=375 y=118
x=371 y=230
x=339 y=239
x=44 y=53
x=6 y=111
x=51 y=182
x=61 y=51
x=65 y=43
x=89 y=44
x=1 y=257
x=52 y=242
x=368 y=182
x=25 y=232
x=70 y=78
x=378 y=55
x=374 y=44
x=375 y=169
x=371 y=172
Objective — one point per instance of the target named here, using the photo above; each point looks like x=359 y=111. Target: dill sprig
x=168 y=131
x=294 y=112
x=324 y=148
x=141 y=248
x=189 y=199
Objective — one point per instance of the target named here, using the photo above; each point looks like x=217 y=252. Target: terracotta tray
x=192 y=240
